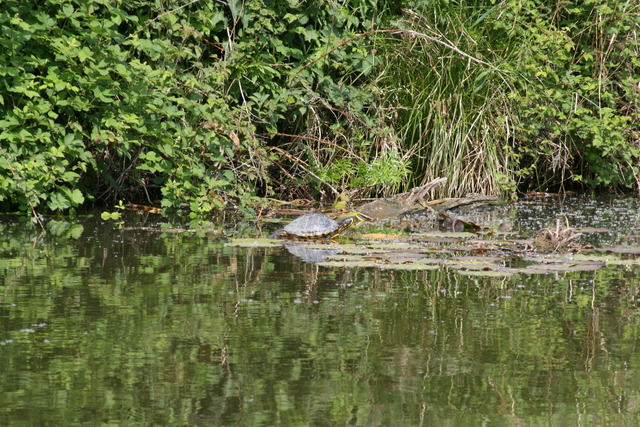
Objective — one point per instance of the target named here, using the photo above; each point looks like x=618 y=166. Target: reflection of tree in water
x=194 y=330
x=290 y=270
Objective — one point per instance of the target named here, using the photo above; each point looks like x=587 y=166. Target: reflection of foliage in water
x=175 y=328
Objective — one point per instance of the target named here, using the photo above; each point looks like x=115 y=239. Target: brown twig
x=447 y=45
x=313 y=139
x=298 y=161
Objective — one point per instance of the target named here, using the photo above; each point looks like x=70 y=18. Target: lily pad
x=412 y=255
x=379 y=236
x=394 y=246
x=360 y=250
x=596 y=257
x=348 y=258
x=607 y=259
x=535 y=257
x=348 y=263
x=471 y=264
x=562 y=267
x=413 y=260
x=323 y=245
x=620 y=249
x=438 y=234
x=592 y=230
x=474 y=249
x=439 y=237
x=477 y=259
x=628 y=262
x=493 y=242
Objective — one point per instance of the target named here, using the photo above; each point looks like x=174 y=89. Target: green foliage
x=576 y=98
x=98 y=106
x=517 y=92
x=387 y=170
x=301 y=68
x=205 y=105
x=105 y=101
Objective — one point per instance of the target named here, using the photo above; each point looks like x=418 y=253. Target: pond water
x=126 y=324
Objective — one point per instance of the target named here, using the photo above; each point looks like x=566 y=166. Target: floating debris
x=482 y=251
x=558 y=238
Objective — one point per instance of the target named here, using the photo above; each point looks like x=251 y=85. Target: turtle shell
x=314 y=226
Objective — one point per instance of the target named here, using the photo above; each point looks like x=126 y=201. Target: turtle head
x=344 y=224
x=357 y=218
x=354 y=218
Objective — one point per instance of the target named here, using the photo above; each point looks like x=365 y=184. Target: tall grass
x=454 y=113
x=499 y=96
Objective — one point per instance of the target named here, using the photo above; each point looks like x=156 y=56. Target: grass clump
x=508 y=96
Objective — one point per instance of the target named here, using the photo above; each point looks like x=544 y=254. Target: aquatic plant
x=559 y=237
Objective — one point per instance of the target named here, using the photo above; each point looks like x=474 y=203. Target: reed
x=454 y=108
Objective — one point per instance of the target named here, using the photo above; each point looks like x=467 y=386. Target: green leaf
x=76 y=197
x=70 y=176
x=67 y=10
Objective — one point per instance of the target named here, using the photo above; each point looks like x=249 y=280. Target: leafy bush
x=106 y=100
x=303 y=68
x=203 y=105
x=501 y=95
x=576 y=98
x=97 y=106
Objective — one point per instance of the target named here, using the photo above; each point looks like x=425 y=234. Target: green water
x=105 y=326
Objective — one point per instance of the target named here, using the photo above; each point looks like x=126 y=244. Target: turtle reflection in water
x=316 y=226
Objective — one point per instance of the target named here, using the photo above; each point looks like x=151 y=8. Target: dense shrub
x=203 y=105
x=519 y=94
x=577 y=76
x=96 y=106
x=143 y=101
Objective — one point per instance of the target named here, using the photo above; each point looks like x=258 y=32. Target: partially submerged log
x=412 y=202
x=464 y=204
x=392 y=207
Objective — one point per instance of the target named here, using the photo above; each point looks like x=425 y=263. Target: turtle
x=315 y=226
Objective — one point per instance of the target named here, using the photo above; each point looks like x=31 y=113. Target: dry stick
x=316 y=140
x=298 y=161
x=286 y=172
x=398 y=31
x=447 y=45
x=351 y=116
x=26 y=195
